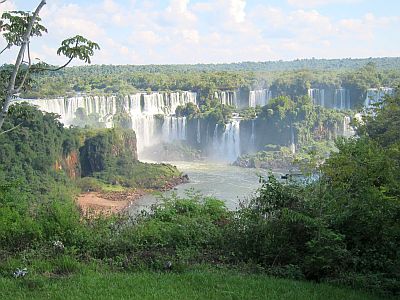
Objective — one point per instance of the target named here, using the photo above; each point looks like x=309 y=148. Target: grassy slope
x=189 y=285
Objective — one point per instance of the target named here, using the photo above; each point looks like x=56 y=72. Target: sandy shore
x=107 y=203
x=95 y=203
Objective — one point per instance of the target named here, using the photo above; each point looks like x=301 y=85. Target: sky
x=216 y=31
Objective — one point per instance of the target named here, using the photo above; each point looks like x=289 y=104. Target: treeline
x=130 y=79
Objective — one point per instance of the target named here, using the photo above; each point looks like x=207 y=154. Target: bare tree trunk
x=11 y=85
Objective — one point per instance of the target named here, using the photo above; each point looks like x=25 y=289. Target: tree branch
x=26 y=73
x=11 y=84
x=8 y=130
x=7 y=47
x=59 y=68
x=56 y=69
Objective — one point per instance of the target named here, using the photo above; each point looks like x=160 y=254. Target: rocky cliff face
x=108 y=149
x=70 y=164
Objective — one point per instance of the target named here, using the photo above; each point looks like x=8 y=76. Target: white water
x=376 y=95
x=259 y=97
x=317 y=96
x=227 y=147
x=337 y=99
x=227 y=97
x=292 y=141
x=252 y=136
x=347 y=130
x=198 y=132
x=341 y=99
x=141 y=107
x=174 y=128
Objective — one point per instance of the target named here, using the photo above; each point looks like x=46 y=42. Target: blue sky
x=216 y=31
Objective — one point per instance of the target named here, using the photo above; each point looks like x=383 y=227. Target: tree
x=17 y=28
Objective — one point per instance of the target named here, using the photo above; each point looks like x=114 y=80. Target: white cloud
x=145 y=37
x=178 y=12
x=236 y=9
x=365 y=28
x=185 y=31
x=191 y=36
x=315 y=3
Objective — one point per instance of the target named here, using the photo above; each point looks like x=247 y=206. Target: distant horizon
x=235 y=62
x=241 y=62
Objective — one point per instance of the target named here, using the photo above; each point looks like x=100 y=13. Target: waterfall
x=317 y=96
x=142 y=108
x=215 y=139
x=198 y=136
x=292 y=141
x=174 y=128
x=377 y=95
x=227 y=147
x=227 y=97
x=259 y=97
x=341 y=99
x=104 y=107
x=252 y=137
x=231 y=140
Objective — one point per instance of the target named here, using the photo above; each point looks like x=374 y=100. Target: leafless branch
x=11 y=129
x=6 y=47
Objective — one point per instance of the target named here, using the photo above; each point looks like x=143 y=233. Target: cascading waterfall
x=141 y=107
x=198 y=132
x=174 y=128
x=292 y=141
x=377 y=95
x=317 y=96
x=104 y=107
x=252 y=137
x=259 y=97
x=227 y=97
x=215 y=139
x=227 y=147
x=347 y=129
x=341 y=99
x=231 y=140
x=146 y=106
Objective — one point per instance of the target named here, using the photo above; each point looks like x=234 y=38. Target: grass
x=196 y=284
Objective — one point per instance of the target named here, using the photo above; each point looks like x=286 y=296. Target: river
x=222 y=181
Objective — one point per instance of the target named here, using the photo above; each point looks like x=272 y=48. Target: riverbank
x=100 y=202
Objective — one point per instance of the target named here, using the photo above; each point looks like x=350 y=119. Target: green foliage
x=108 y=149
x=382 y=123
x=78 y=47
x=82 y=119
x=14 y=25
x=189 y=110
x=207 y=79
x=31 y=150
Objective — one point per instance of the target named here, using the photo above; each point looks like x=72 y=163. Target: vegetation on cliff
x=41 y=153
